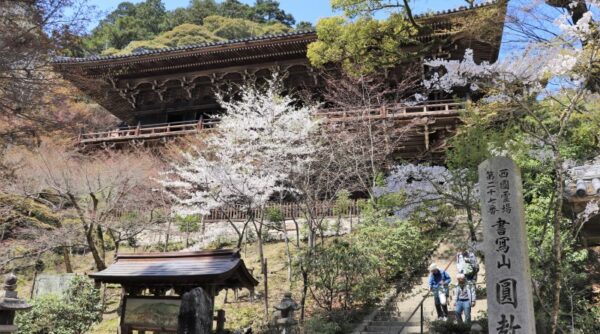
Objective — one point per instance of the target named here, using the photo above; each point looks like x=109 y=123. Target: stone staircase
x=402 y=312
x=390 y=322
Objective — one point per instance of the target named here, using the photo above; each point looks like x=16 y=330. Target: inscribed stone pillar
x=195 y=313
x=508 y=277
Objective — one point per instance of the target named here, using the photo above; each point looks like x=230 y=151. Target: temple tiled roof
x=273 y=38
x=186 y=47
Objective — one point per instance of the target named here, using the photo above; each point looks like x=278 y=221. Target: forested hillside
x=148 y=25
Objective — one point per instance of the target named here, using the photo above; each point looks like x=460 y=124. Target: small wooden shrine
x=153 y=284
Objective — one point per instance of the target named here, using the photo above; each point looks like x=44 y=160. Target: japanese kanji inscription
x=508 y=278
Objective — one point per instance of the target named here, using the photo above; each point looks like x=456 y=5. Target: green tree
x=362 y=45
x=399 y=247
x=304 y=26
x=235 y=28
x=141 y=23
x=268 y=11
x=188 y=224
x=73 y=313
x=214 y=29
x=343 y=276
x=129 y=22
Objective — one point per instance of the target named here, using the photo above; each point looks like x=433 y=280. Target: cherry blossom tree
x=433 y=186
x=558 y=67
x=262 y=138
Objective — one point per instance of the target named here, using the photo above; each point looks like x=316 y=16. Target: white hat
x=460 y=276
x=433 y=266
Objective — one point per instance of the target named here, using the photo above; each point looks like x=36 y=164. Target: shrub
x=399 y=247
x=343 y=276
x=73 y=313
x=321 y=325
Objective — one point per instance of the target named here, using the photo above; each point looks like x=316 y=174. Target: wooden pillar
x=220 y=318
x=426 y=137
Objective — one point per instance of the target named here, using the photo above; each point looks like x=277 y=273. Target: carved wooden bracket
x=130 y=94
x=188 y=85
x=160 y=88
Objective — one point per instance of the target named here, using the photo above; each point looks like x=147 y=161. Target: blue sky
x=303 y=10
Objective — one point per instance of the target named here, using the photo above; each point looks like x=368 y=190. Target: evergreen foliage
x=150 y=26
x=73 y=313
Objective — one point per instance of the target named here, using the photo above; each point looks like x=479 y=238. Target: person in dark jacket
x=439 y=280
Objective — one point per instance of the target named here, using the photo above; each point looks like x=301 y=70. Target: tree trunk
x=167 y=235
x=304 y=292
x=557 y=242
x=288 y=254
x=67 y=260
x=116 y=241
x=100 y=264
x=260 y=245
x=187 y=235
x=265 y=271
x=100 y=237
x=471 y=224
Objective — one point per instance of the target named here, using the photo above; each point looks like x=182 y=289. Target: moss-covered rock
x=21 y=212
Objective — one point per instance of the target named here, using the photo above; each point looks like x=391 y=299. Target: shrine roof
x=272 y=39
x=222 y=268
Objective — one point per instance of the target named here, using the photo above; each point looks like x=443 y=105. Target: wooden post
x=220 y=321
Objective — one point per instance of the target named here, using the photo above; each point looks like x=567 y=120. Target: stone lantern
x=9 y=304
x=283 y=317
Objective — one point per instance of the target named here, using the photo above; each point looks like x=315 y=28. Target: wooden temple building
x=169 y=92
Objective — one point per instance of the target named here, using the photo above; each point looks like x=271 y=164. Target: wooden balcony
x=150 y=132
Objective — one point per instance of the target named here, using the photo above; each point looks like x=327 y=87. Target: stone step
x=393 y=323
x=392 y=327
x=406 y=330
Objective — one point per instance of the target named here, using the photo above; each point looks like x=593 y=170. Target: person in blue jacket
x=439 y=281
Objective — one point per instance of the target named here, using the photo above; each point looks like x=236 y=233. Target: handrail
x=443 y=107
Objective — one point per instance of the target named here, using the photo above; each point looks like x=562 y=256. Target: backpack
x=473 y=262
x=468 y=269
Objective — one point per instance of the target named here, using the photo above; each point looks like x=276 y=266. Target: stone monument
x=9 y=304
x=195 y=313
x=508 y=278
x=55 y=284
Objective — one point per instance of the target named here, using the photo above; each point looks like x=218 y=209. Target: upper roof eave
x=150 y=54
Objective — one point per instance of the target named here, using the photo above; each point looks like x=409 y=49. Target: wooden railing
x=289 y=211
x=154 y=131
x=395 y=111
x=149 y=131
